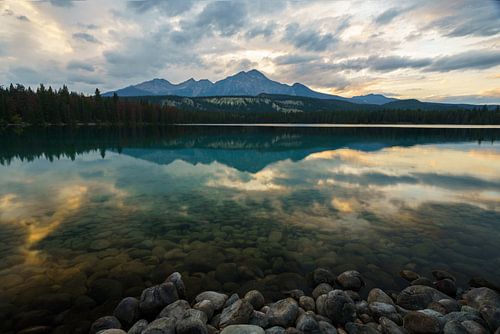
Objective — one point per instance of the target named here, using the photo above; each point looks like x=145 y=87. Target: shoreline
x=335 y=307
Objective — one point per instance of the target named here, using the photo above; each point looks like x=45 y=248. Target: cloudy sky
x=426 y=49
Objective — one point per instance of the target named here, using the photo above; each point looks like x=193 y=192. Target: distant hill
x=251 y=83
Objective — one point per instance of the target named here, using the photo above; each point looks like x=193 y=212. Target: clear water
x=103 y=213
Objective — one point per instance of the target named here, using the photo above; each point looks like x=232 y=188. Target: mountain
x=250 y=83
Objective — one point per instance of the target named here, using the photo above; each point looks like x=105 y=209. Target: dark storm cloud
x=468 y=60
x=85 y=37
x=80 y=65
x=165 y=7
x=308 y=39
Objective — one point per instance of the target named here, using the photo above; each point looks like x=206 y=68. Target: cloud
x=80 y=65
x=481 y=59
x=85 y=37
x=62 y=3
x=23 y=18
x=266 y=30
x=294 y=59
x=389 y=15
x=308 y=39
x=224 y=17
x=384 y=63
x=164 y=7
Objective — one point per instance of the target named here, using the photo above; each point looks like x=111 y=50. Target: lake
x=89 y=215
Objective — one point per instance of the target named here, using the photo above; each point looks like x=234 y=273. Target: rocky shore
x=425 y=306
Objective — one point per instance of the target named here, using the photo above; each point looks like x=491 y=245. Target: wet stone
x=442 y=274
x=175 y=310
x=161 y=326
x=421 y=323
x=103 y=323
x=205 y=306
x=283 y=313
x=378 y=295
x=255 y=298
x=307 y=323
x=127 y=311
x=350 y=280
x=191 y=325
x=307 y=303
x=138 y=327
x=322 y=275
x=176 y=279
x=355 y=328
x=321 y=289
x=409 y=275
x=446 y=286
x=155 y=298
x=243 y=329
x=237 y=313
x=339 y=307
x=417 y=297
x=217 y=299
x=326 y=327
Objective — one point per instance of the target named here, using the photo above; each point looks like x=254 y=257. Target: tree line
x=47 y=106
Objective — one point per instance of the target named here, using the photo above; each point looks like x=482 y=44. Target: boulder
x=259 y=319
x=326 y=327
x=480 y=297
x=155 y=298
x=127 y=311
x=442 y=274
x=492 y=317
x=417 y=297
x=275 y=330
x=103 y=323
x=339 y=307
x=307 y=323
x=355 y=328
x=255 y=298
x=237 y=313
x=307 y=303
x=446 y=286
x=283 y=313
x=191 y=325
x=217 y=299
x=321 y=289
x=421 y=323
x=390 y=327
x=378 y=295
x=350 y=280
x=161 y=326
x=244 y=329
x=378 y=310
x=409 y=275
x=175 y=310
x=138 y=327
x=205 y=306
x=176 y=279
x=322 y=275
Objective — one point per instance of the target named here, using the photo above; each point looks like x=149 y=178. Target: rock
x=307 y=323
x=378 y=310
x=138 y=327
x=350 y=280
x=155 y=298
x=191 y=325
x=127 y=311
x=244 y=329
x=41 y=330
x=103 y=323
x=480 y=297
x=217 y=299
x=292 y=330
x=56 y=302
x=417 y=297
x=355 y=328
x=234 y=297
x=320 y=304
x=255 y=298
x=113 y=331
x=206 y=306
x=176 y=279
x=326 y=328
x=454 y=327
x=321 y=289
x=492 y=317
x=259 y=319
x=442 y=274
x=418 y=322
x=390 y=327
x=480 y=282
x=463 y=316
x=339 y=307
x=175 y=310
x=446 y=286
x=409 y=275
x=161 y=326
x=422 y=281
x=307 y=303
x=377 y=295
x=275 y=330
x=283 y=312
x=451 y=305
x=322 y=275
x=473 y=327
x=295 y=294
x=237 y=313
x=196 y=314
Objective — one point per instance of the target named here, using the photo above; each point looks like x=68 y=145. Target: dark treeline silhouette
x=46 y=106
x=53 y=143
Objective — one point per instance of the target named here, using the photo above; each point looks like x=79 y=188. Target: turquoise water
x=89 y=216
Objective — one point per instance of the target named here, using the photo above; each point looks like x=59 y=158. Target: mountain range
x=250 y=83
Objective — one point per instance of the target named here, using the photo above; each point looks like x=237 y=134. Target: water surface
x=88 y=216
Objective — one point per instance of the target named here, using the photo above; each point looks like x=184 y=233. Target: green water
x=103 y=213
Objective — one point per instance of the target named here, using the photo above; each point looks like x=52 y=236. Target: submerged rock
x=417 y=297
x=255 y=298
x=339 y=307
x=217 y=299
x=421 y=323
x=237 y=313
x=103 y=323
x=127 y=311
x=350 y=280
